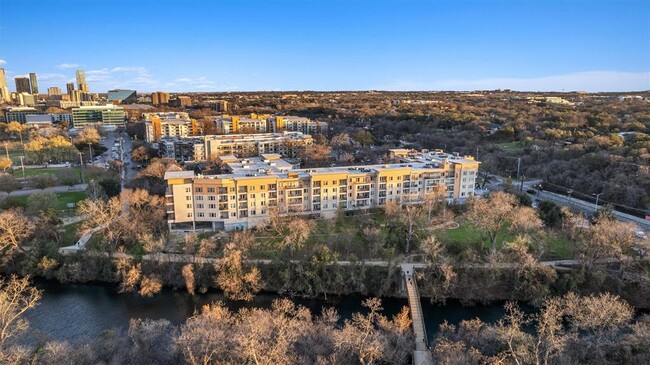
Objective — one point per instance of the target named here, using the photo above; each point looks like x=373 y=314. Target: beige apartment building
x=169 y=124
x=243 y=197
x=264 y=123
x=209 y=148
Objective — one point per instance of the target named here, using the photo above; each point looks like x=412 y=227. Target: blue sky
x=245 y=45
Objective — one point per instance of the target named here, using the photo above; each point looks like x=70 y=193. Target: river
x=81 y=312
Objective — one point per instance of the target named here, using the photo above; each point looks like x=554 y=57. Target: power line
x=602 y=201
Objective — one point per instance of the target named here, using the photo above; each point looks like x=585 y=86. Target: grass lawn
x=62 y=202
x=47 y=170
x=509 y=146
x=559 y=247
x=70 y=235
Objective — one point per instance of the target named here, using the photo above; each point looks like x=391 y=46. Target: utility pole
x=81 y=167
x=22 y=165
x=569 y=195
x=90 y=148
x=7 y=149
x=518 y=166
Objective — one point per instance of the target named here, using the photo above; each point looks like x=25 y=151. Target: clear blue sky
x=197 y=45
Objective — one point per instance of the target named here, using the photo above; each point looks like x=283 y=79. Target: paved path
x=54 y=189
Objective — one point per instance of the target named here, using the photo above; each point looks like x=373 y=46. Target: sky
x=265 y=45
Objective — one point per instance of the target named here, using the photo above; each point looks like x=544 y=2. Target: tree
x=550 y=213
x=15 y=228
x=188 y=275
x=17 y=296
x=604 y=240
x=233 y=278
x=88 y=135
x=499 y=216
x=5 y=163
x=41 y=202
x=316 y=154
x=16 y=128
x=364 y=137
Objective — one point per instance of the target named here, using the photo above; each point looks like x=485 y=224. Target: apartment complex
x=159 y=97
x=102 y=115
x=264 y=123
x=169 y=124
x=242 y=198
x=209 y=148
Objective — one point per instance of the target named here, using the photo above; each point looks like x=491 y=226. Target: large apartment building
x=209 y=148
x=243 y=197
x=169 y=124
x=264 y=123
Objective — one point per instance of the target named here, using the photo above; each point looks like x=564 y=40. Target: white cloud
x=124 y=77
x=65 y=66
x=189 y=84
x=592 y=81
x=3 y=62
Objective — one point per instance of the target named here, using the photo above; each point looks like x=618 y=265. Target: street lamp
x=597 y=196
x=90 y=148
x=569 y=194
x=81 y=167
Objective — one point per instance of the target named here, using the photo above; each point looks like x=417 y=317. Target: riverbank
x=314 y=279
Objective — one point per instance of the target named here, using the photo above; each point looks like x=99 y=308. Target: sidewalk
x=54 y=189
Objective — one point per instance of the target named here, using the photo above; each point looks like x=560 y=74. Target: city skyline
x=280 y=45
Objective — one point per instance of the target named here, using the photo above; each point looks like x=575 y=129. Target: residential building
x=19 y=114
x=34 y=83
x=221 y=106
x=53 y=93
x=120 y=96
x=169 y=124
x=209 y=148
x=264 y=123
x=22 y=85
x=81 y=81
x=159 y=98
x=253 y=187
x=181 y=101
x=255 y=123
x=5 y=94
x=295 y=124
x=102 y=115
x=26 y=99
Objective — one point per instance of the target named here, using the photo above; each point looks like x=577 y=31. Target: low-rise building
x=19 y=114
x=121 y=96
x=101 y=115
x=255 y=187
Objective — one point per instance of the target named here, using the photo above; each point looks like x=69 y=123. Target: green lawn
x=508 y=146
x=63 y=199
x=70 y=235
x=47 y=170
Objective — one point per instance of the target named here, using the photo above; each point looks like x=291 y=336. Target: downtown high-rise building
x=34 y=83
x=5 y=94
x=81 y=81
x=22 y=85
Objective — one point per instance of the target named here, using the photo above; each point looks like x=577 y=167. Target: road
x=585 y=207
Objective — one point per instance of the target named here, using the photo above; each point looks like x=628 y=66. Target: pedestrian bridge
x=421 y=355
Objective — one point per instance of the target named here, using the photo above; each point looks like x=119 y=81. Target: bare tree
x=233 y=278
x=188 y=275
x=15 y=228
x=605 y=239
x=499 y=216
x=17 y=296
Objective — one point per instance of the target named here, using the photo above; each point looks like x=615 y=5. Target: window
x=211 y=198
x=212 y=206
x=199 y=214
x=189 y=206
x=188 y=197
x=199 y=190
x=199 y=206
x=198 y=197
x=213 y=215
x=188 y=190
x=189 y=215
x=210 y=190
